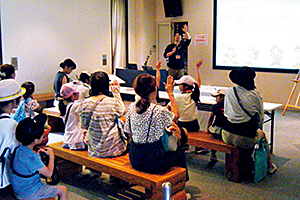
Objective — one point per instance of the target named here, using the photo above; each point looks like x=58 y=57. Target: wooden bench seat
x=54 y=119
x=120 y=167
x=234 y=157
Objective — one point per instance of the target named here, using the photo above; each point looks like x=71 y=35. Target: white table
x=207 y=102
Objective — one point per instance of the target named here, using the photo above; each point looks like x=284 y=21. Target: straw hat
x=10 y=89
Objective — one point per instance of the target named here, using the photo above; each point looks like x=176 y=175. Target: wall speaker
x=173 y=8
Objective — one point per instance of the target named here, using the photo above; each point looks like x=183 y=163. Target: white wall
x=142 y=16
x=43 y=33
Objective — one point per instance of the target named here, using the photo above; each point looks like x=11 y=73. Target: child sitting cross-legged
x=27 y=165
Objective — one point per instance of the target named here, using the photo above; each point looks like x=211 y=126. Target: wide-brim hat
x=244 y=77
x=186 y=79
x=10 y=89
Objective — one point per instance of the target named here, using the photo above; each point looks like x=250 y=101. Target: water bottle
x=166 y=190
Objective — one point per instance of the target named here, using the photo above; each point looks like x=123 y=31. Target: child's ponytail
x=62 y=105
x=196 y=94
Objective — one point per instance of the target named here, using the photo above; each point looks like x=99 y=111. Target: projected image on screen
x=264 y=34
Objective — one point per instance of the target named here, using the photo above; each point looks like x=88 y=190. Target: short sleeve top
x=139 y=124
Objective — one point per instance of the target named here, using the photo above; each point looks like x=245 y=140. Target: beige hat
x=219 y=92
x=186 y=79
x=10 y=89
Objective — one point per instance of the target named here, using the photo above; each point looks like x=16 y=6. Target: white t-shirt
x=7 y=139
x=73 y=131
x=186 y=106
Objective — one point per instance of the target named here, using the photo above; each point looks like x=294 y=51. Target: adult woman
x=239 y=129
x=146 y=122
x=62 y=77
x=99 y=114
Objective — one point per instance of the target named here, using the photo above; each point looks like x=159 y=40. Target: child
x=216 y=119
x=27 y=165
x=187 y=103
x=74 y=135
x=10 y=94
x=84 y=79
x=27 y=105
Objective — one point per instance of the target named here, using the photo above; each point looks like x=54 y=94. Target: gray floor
x=208 y=182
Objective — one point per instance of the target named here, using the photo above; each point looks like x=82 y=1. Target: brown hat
x=244 y=77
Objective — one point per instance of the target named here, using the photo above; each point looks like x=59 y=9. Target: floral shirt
x=138 y=124
x=25 y=109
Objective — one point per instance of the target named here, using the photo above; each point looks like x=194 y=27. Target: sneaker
x=272 y=169
x=200 y=150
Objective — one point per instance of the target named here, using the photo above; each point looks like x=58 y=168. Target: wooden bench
x=44 y=96
x=233 y=156
x=120 y=167
x=54 y=119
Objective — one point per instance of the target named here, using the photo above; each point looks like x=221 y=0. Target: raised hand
x=158 y=64
x=169 y=86
x=185 y=28
x=199 y=63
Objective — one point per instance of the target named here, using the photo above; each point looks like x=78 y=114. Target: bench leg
x=181 y=195
x=231 y=166
x=177 y=191
x=67 y=168
x=239 y=165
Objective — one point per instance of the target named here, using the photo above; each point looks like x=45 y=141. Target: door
x=163 y=35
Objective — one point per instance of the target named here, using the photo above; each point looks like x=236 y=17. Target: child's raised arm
x=169 y=86
x=198 y=65
x=157 y=67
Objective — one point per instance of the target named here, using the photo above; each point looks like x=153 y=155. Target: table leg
x=272 y=131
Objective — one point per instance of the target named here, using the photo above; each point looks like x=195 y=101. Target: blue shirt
x=26 y=162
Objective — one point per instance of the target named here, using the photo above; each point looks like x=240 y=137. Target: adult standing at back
x=62 y=77
x=175 y=54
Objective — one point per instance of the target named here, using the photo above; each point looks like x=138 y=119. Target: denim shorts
x=46 y=191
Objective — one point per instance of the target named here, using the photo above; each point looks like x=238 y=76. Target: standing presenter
x=175 y=53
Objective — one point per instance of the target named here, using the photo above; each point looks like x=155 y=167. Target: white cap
x=186 y=79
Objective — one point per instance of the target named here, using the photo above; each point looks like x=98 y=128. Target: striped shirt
x=103 y=134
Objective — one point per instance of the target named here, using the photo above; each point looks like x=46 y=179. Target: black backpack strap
x=2 y=158
x=2 y=162
x=14 y=171
x=4 y=116
x=68 y=113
